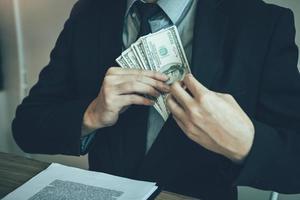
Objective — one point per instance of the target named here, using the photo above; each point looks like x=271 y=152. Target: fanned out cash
x=161 y=51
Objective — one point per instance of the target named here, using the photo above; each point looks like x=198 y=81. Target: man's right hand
x=120 y=89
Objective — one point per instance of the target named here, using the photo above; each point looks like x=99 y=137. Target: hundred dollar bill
x=139 y=52
x=131 y=59
x=159 y=110
x=121 y=61
x=161 y=51
x=161 y=102
x=166 y=54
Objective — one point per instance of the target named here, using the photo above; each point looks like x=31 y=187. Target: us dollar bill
x=166 y=54
x=121 y=61
x=161 y=51
x=139 y=52
x=131 y=59
x=161 y=103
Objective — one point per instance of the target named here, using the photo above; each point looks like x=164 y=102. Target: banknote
x=140 y=54
x=121 y=61
x=161 y=51
x=165 y=53
x=131 y=59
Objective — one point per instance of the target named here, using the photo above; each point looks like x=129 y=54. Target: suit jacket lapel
x=209 y=36
x=111 y=23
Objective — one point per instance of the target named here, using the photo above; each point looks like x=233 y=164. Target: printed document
x=59 y=182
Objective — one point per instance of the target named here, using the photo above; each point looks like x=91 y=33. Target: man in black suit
x=236 y=123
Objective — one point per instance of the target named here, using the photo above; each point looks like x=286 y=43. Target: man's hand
x=213 y=120
x=120 y=89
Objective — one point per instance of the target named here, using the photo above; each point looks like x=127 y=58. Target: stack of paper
x=59 y=182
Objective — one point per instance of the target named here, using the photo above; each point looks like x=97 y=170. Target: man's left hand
x=213 y=120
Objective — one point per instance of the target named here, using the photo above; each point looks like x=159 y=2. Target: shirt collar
x=173 y=8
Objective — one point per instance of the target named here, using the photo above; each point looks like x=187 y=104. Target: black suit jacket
x=242 y=47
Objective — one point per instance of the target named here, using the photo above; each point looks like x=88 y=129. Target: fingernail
x=165 y=77
x=190 y=75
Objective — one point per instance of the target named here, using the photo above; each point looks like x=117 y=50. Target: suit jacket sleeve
x=49 y=120
x=274 y=161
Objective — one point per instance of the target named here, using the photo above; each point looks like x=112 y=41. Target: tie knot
x=147 y=10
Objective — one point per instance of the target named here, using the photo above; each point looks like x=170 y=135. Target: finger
x=148 y=73
x=181 y=96
x=194 y=86
x=175 y=108
x=136 y=87
x=134 y=99
x=159 y=85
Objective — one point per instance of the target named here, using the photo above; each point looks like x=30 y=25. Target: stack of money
x=161 y=51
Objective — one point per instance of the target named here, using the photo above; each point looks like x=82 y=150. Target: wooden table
x=16 y=170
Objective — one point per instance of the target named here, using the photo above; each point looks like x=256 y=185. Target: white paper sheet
x=69 y=183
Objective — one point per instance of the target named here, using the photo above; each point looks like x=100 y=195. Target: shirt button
x=133 y=15
x=156 y=24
